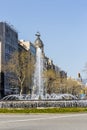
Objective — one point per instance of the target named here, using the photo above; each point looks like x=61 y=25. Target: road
x=43 y=121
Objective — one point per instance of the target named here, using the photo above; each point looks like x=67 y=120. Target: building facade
x=8 y=44
x=30 y=49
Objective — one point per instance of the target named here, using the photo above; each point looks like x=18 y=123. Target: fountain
x=52 y=100
x=38 y=87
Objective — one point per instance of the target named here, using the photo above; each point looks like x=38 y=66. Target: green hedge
x=47 y=110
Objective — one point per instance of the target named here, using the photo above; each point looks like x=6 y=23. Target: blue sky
x=61 y=23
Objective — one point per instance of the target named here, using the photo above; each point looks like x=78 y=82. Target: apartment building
x=8 y=44
x=27 y=46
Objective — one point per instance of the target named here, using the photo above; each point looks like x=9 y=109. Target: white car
x=68 y=96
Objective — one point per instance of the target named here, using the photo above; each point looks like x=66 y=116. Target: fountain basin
x=43 y=104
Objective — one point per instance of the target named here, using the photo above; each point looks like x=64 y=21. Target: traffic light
x=79 y=76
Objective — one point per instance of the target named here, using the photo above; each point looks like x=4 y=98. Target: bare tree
x=57 y=84
x=52 y=81
x=73 y=86
x=21 y=65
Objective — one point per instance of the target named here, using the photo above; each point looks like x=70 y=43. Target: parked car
x=68 y=97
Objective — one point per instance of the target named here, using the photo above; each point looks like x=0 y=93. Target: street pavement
x=43 y=121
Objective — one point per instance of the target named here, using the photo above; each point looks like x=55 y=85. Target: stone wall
x=45 y=104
